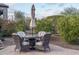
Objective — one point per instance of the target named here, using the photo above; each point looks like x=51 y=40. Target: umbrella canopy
x=32 y=24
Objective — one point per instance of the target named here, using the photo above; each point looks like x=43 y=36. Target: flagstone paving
x=55 y=50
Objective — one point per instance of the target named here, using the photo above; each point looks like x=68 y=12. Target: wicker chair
x=39 y=40
x=1 y=45
x=45 y=42
x=19 y=43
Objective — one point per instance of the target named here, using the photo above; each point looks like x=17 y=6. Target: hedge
x=68 y=27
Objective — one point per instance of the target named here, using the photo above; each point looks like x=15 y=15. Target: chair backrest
x=41 y=33
x=21 y=34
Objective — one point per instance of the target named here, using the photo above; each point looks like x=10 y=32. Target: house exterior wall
x=5 y=13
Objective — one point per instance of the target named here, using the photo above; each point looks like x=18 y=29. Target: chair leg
x=46 y=49
x=17 y=49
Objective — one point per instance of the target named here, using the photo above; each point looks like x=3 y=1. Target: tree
x=19 y=15
x=68 y=27
x=20 y=20
x=70 y=11
x=27 y=23
x=44 y=25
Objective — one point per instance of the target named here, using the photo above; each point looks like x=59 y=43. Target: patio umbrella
x=32 y=23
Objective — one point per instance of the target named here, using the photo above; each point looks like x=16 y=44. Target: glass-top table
x=31 y=36
x=32 y=39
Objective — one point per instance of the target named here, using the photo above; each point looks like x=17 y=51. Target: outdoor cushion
x=39 y=43
x=14 y=34
x=41 y=33
x=25 y=43
x=21 y=34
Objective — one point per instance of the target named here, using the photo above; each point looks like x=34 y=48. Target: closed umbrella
x=32 y=23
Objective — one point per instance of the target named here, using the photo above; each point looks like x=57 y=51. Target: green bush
x=20 y=25
x=20 y=21
x=44 y=25
x=8 y=28
x=68 y=27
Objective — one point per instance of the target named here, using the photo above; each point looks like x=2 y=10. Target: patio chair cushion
x=21 y=34
x=25 y=43
x=39 y=43
x=41 y=33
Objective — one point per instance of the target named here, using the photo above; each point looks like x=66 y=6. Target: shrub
x=44 y=25
x=20 y=20
x=8 y=28
x=20 y=25
x=68 y=27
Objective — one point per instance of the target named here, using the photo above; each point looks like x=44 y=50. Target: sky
x=42 y=9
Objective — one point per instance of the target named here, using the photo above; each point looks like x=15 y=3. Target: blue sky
x=42 y=9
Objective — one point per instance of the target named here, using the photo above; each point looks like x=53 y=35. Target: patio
x=55 y=50
x=22 y=41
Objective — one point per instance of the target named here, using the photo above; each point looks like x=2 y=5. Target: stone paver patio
x=55 y=50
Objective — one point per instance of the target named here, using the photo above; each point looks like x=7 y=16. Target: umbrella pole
x=32 y=31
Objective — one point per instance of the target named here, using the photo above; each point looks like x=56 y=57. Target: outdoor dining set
x=27 y=42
